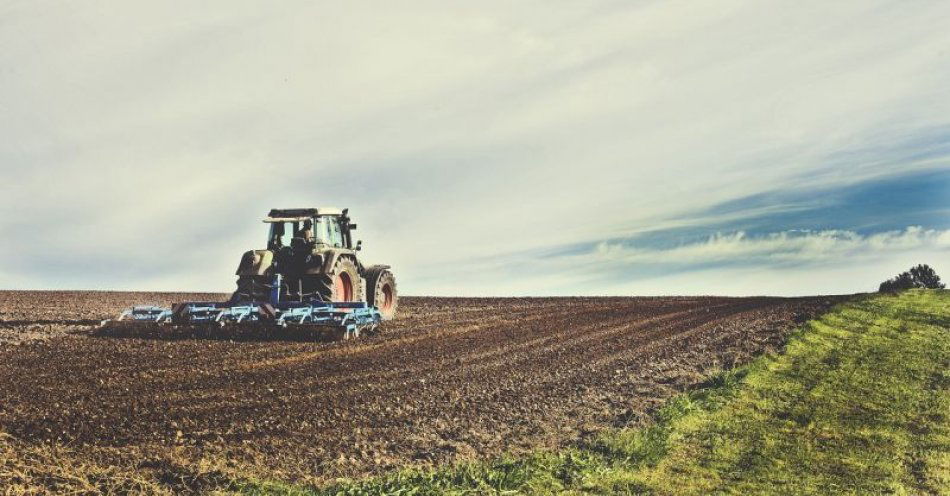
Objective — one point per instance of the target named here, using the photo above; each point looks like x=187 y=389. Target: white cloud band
x=784 y=246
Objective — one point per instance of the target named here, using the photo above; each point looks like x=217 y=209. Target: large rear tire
x=381 y=290
x=343 y=283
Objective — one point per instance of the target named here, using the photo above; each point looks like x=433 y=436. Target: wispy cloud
x=779 y=248
x=142 y=141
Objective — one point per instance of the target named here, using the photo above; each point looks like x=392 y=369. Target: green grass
x=858 y=403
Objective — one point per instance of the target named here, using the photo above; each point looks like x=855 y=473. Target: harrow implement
x=331 y=321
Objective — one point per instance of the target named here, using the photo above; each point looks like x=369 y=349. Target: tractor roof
x=299 y=214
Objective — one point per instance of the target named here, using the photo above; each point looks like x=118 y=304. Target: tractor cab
x=328 y=227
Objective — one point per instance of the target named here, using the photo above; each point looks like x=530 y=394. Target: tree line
x=921 y=276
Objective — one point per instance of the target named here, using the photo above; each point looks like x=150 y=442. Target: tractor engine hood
x=255 y=263
x=288 y=262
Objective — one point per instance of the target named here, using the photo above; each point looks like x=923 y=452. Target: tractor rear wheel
x=343 y=283
x=381 y=290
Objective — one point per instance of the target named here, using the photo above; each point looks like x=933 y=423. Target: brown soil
x=449 y=379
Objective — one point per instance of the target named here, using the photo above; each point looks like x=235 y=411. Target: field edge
x=758 y=428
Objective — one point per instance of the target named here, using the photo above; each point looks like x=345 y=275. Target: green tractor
x=311 y=256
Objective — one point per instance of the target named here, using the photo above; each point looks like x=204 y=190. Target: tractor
x=307 y=283
x=311 y=256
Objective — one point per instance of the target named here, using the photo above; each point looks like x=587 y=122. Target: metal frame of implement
x=343 y=320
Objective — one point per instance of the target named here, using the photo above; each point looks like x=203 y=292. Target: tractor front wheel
x=381 y=291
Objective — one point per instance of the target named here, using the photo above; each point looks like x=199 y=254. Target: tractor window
x=326 y=230
x=336 y=235
x=281 y=234
x=320 y=233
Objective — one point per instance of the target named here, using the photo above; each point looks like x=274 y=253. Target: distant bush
x=921 y=276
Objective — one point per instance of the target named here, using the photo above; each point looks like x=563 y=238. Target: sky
x=483 y=148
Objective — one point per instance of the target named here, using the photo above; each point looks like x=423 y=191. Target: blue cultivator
x=294 y=319
x=145 y=314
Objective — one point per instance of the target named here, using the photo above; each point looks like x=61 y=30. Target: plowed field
x=450 y=379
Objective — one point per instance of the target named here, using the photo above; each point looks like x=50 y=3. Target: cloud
x=780 y=248
x=788 y=263
x=143 y=141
